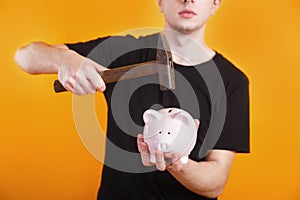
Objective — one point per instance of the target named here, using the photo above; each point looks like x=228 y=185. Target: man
x=205 y=175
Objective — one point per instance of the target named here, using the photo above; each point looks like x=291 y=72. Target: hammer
x=163 y=66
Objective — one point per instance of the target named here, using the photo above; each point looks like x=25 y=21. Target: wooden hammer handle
x=121 y=73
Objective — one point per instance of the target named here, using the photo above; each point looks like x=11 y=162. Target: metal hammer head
x=166 y=69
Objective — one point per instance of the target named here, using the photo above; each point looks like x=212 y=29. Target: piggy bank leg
x=184 y=159
x=152 y=158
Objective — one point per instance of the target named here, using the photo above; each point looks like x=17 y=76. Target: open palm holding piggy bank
x=170 y=130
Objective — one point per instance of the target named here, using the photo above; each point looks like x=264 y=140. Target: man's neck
x=188 y=48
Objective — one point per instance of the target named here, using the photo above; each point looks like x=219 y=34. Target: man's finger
x=77 y=89
x=140 y=138
x=144 y=151
x=168 y=158
x=140 y=141
x=160 y=161
x=95 y=79
x=145 y=156
x=86 y=85
x=197 y=123
x=100 y=69
x=176 y=162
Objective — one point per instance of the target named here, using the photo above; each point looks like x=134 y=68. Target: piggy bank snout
x=162 y=146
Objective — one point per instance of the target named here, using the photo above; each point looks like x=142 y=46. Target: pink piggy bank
x=170 y=130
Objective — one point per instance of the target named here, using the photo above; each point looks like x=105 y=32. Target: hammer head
x=166 y=68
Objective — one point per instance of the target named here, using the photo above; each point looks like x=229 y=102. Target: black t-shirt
x=215 y=92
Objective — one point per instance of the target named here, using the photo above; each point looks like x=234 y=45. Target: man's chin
x=187 y=28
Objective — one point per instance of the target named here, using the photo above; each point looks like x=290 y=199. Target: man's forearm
x=76 y=73
x=206 y=178
x=40 y=58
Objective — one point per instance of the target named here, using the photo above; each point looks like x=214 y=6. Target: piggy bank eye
x=170 y=110
x=169 y=133
x=159 y=132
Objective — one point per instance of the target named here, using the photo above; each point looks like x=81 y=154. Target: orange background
x=41 y=156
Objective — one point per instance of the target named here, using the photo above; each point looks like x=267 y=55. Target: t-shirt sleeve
x=235 y=133
x=84 y=48
x=107 y=50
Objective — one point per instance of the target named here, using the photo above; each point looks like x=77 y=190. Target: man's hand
x=80 y=75
x=170 y=161
x=76 y=73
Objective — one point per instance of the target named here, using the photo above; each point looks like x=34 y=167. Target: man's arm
x=206 y=178
x=40 y=58
x=77 y=74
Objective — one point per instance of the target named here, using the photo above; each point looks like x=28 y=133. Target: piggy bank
x=170 y=130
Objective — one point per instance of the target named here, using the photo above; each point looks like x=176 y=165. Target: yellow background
x=41 y=156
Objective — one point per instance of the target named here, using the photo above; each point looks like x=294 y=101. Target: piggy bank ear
x=181 y=116
x=150 y=115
